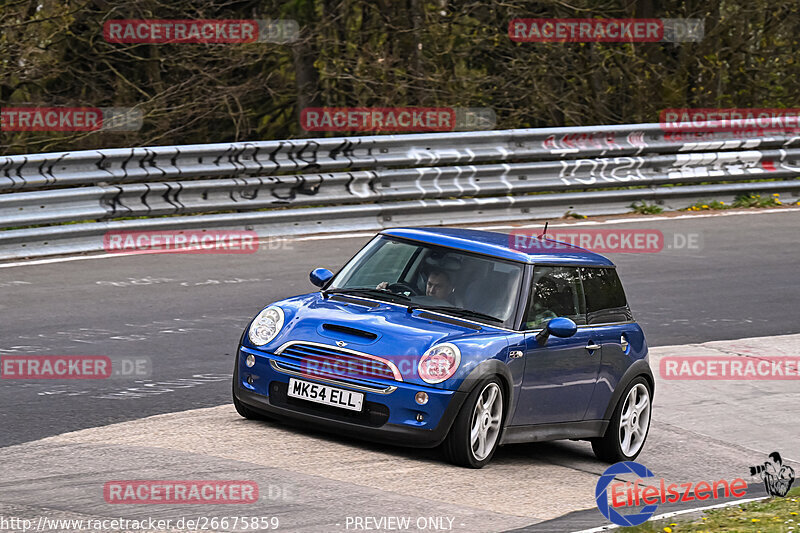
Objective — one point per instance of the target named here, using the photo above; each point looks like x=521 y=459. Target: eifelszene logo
x=627 y=494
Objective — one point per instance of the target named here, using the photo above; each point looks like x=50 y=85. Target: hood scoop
x=347 y=333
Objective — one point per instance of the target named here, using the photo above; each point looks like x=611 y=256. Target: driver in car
x=439 y=285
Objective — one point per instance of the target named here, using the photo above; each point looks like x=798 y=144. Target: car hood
x=385 y=330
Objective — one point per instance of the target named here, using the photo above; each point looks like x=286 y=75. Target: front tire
x=475 y=434
x=245 y=411
x=241 y=408
x=629 y=426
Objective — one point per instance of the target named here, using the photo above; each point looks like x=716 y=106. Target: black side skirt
x=584 y=429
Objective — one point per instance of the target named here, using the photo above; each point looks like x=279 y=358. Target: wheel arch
x=493 y=368
x=639 y=368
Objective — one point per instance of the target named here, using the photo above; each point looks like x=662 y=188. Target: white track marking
x=371 y=233
x=64 y=259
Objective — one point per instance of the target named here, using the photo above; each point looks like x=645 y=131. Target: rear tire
x=629 y=426
x=476 y=430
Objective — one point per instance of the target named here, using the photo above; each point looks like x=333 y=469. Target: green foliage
x=755 y=200
x=705 y=205
x=643 y=208
x=741 y=201
x=453 y=53
x=773 y=514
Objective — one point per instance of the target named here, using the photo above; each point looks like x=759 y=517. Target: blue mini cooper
x=458 y=338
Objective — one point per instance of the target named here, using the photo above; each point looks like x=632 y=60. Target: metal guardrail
x=335 y=184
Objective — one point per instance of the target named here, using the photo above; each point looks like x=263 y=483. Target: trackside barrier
x=371 y=182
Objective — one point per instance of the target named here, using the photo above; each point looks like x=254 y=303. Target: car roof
x=499 y=245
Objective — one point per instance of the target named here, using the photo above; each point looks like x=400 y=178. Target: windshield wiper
x=457 y=311
x=393 y=297
x=405 y=300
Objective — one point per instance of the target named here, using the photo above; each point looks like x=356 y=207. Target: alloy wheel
x=635 y=420
x=486 y=419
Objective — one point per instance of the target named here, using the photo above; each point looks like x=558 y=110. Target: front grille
x=295 y=369
x=332 y=362
x=373 y=414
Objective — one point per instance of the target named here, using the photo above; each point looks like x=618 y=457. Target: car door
x=559 y=376
x=610 y=318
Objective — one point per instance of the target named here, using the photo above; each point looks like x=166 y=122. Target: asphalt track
x=184 y=315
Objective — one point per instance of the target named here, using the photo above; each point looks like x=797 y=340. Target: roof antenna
x=543 y=231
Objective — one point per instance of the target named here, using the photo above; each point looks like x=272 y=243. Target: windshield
x=426 y=276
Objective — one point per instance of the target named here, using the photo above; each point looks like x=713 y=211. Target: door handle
x=592 y=346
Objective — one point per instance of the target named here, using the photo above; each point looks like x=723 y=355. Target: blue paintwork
x=561 y=327
x=614 y=361
x=560 y=381
x=402 y=336
x=498 y=245
x=320 y=276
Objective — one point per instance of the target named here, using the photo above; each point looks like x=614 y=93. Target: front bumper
x=389 y=416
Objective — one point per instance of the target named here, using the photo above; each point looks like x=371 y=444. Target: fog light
x=421 y=398
x=249 y=380
x=420 y=417
x=251 y=360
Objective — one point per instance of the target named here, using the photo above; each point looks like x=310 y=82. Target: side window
x=555 y=292
x=605 y=298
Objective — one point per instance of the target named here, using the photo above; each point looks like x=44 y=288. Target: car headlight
x=266 y=325
x=439 y=363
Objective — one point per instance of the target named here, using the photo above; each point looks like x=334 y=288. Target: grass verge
x=764 y=516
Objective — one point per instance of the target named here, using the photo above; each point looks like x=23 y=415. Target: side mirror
x=558 y=327
x=562 y=327
x=320 y=276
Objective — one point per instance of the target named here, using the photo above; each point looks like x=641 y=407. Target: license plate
x=326 y=395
